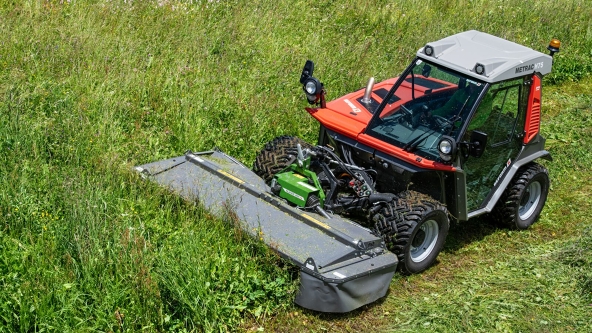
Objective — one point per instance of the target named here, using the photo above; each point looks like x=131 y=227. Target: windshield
x=430 y=102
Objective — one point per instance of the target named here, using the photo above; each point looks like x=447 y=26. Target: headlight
x=447 y=148
x=310 y=87
x=313 y=89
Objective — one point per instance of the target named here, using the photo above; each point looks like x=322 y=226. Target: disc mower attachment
x=342 y=265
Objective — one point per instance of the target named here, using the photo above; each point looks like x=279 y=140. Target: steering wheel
x=406 y=111
x=442 y=122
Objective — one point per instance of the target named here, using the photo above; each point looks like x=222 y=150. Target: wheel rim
x=530 y=200
x=424 y=241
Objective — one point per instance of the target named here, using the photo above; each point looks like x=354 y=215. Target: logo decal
x=355 y=109
x=504 y=170
x=293 y=194
x=525 y=68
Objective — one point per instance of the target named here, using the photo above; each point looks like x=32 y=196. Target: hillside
x=90 y=89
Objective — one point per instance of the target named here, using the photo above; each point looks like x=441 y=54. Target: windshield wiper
x=452 y=121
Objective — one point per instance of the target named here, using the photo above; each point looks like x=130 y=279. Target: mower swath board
x=343 y=265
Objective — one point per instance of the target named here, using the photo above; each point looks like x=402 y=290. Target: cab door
x=500 y=115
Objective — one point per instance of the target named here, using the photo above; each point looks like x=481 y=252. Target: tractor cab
x=430 y=105
x=468 y=106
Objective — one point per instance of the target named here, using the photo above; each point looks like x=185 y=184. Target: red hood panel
x=347 y=116
x=350 y=107
x=338 y=122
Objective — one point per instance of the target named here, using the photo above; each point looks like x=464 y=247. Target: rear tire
x=414 y=228
x=523 y=200
x=277 y=155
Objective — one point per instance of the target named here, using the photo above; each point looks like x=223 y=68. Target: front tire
x=523 y=200
x=277 y=155
x=415 y=229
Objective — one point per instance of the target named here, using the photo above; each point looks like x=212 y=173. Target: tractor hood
x=350 y=115
x=355 y=107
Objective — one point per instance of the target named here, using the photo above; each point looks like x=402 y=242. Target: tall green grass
x=89 y=89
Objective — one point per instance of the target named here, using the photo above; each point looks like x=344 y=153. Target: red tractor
x=456 y=135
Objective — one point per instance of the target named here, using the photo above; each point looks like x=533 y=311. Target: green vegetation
x=90 y=89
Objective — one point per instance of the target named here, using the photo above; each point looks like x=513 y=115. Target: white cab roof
x=500 y=58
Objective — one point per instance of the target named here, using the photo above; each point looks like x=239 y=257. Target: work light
x=447 y=148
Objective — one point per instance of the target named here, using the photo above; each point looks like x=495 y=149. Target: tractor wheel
x=276 y=156
x=414 y=228
x=522 y=202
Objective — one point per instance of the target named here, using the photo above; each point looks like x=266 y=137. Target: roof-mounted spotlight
x=428 y=50
x=479 y=69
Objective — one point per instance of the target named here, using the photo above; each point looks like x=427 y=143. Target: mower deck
x=343 y=265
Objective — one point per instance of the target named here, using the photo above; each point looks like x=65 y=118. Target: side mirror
x=477 y=144
x=426 y=70
x=307 y=71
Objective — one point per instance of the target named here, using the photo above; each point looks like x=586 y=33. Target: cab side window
x=501 y=111
x=498 y=112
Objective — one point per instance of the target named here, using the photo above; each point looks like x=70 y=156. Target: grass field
x=90 y=89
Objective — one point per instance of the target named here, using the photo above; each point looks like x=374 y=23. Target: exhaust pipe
x=368 y=91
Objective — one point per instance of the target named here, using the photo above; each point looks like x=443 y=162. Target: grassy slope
x=88 y=90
